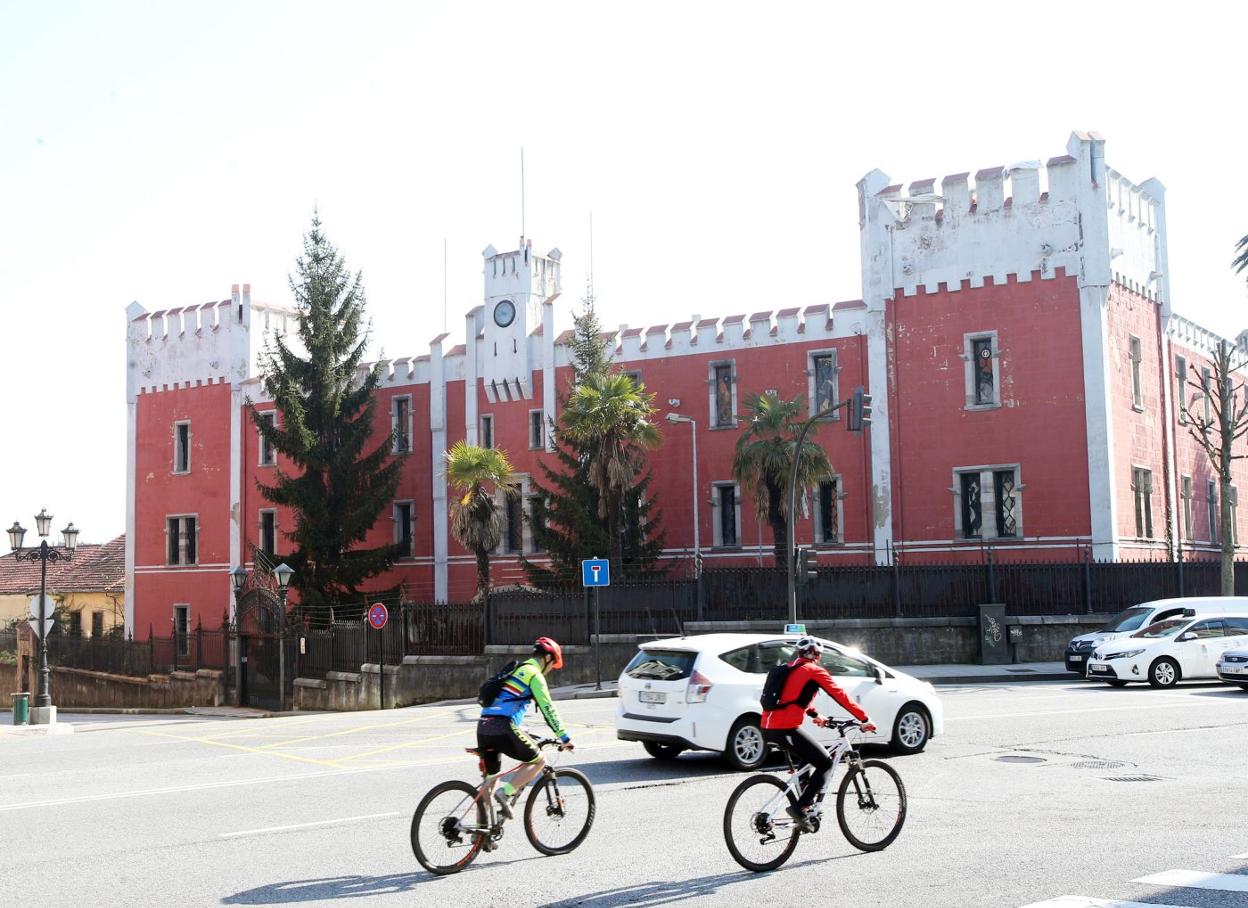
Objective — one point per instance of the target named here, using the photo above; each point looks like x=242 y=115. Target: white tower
x=517 y=284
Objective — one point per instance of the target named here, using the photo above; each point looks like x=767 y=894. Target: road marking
x=1239 y=857
x=1081 y=901
x=1194 y=879
x=245 y=749
x=1068 y=712
x=371 y=816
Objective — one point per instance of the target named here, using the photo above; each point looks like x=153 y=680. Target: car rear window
x=661 y=665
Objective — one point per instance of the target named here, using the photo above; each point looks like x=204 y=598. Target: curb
x=36 y=731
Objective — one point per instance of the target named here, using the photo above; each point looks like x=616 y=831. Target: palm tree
x=613 y=419
x=764 y=460
x=475 y=517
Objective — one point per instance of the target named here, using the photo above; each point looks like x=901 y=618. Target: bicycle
x=761 y=835
x=442 y=826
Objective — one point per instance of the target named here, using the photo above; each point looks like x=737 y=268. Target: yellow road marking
x=356 y=729
x=245 y=749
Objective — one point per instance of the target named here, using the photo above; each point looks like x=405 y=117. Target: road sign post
x=378 y=615
x=596 y=573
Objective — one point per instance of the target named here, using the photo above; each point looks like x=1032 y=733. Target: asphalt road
x=315 y=809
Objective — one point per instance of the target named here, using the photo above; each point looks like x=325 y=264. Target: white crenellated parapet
x=1012 y=223
x=1186 y=333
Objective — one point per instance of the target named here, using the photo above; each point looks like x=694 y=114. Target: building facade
x=1015 y=331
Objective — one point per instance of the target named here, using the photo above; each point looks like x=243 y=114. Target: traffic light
x=807 y=562
x=859 y=410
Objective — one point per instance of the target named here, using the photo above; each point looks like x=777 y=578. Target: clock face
x=504 y=313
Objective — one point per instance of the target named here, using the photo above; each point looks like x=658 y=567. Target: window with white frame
x=401 y=423
x=981 y=370
x=403 y=526
x=1205 y=389
x=182 y=628
x=487 y=431
x=1211 y=499
x=1185 y=493
x=726 y=504
x=537 y=429
x=1135 y=353
x=182 y=446
x=268 y=531
x=268 y=455
x=723 y=400
x=823 y=382
x=988 y=502
x=1142 y=496
x=1180 y=387
x=829 y=512
x=1232 y=495
x=182 y=539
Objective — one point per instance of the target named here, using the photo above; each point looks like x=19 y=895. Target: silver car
x=1233 y=667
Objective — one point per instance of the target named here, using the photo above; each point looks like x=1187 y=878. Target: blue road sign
x=595 y=572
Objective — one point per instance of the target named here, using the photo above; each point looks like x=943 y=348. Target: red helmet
x=546 y=645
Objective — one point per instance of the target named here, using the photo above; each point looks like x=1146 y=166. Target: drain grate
x=1100 y=764
x=1013 y=758
x=1134 y=779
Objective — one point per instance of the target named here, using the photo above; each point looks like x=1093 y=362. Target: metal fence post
x=700 y=595
x=992 y=578
x=199 y=644
x=896 y=577
x=1178 y=566
x=489 y=618
x=1087 y=580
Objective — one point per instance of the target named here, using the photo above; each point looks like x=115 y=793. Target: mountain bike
x=456 y=821
x=870 y=807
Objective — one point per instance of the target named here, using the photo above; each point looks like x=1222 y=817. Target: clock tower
x=516 y=285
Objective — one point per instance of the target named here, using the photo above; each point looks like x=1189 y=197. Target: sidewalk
x=936 y=674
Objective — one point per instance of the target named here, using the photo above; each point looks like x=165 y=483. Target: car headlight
x=1125 y=654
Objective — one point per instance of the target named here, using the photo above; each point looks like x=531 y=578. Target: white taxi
x=702 y=693
x=1173 y=650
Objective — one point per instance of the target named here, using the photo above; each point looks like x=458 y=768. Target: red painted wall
x=1040 y=425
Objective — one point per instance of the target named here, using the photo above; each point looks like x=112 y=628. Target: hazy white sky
x=161 y=151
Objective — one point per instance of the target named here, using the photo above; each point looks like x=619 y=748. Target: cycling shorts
x=496 y=735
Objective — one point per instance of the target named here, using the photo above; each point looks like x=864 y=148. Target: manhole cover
x=1134 y=779
x=1100 y=764
x=1012 y=758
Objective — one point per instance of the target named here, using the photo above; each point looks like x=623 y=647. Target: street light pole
x=697 y=547
x=44 y=553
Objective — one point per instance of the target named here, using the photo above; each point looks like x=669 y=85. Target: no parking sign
x=378 y=615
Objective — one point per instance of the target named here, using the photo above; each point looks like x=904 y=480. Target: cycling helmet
x=546 y=645
x=809 y=648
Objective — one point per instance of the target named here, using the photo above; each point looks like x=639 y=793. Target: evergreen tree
x=339 y=488
x=564 y=520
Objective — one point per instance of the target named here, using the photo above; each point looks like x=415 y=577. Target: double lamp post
x=44 y=712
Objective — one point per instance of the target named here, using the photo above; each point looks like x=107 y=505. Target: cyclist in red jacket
x=782 y=726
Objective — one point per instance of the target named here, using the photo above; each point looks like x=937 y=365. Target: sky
x=161 y=152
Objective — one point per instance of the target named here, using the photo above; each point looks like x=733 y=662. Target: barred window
x=401 y=424
x=723 y=409
x=403 y=526
x=1005 y=486
x=1185 y=493
x=268 y=456
x=181 y=540
x=1215 y=522
x=1142 y=492
x=825 y=391
x=1136 y=356
x=182 y=447
x=829 y=506
x=1180 y=388
x=989 y=503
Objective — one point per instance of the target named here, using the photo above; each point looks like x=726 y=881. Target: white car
x=1233 y=666
x=702 y=693
x=1138 y=617
x=1176 y=649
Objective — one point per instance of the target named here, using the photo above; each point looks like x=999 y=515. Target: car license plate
x=1099 y=669
x=652 y=696
x=1076 y=658
x=1230 y=670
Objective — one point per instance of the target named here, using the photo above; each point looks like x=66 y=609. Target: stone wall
x=75 y=688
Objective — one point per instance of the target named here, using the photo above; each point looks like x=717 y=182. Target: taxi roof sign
x=795 y=628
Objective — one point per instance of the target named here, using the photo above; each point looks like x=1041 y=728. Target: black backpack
x=773 y=687
x=494 y=685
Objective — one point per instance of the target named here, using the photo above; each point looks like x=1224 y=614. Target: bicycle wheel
x=871 y=805
x=559 y=811
x=448 y=828
x=759 y=834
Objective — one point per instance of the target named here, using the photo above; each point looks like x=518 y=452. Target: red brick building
x=1020 y=348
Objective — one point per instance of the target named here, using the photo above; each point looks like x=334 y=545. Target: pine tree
x=564 y=520
x=338 y=489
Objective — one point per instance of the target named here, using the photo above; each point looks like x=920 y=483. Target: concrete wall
x=77 y=688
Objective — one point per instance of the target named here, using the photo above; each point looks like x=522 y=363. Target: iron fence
x=119 y=655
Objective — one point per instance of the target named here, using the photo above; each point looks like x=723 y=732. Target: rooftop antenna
x=521 y=190
x=443 y=285
x=589 y=280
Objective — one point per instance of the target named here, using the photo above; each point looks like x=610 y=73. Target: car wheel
x=911 y=729
x=661 y=751
x=1243 y=687
x=746 y=748
x=1163 y=673
x=1115 y=682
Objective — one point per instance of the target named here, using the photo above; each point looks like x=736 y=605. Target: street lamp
x=44 y=712
x=283 y=572
x=697 y=548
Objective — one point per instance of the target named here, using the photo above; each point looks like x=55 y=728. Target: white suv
x=702 y=692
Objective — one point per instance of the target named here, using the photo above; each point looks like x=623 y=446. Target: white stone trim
x=482 y=433
x=1148 y=517
x=968 y=369
x=437 y=450
x=131 y=528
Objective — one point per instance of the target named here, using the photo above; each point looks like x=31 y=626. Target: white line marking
x=1194 y=879
x=1239 y=857
x=371 y=816
x=1069 y=712
x=1080 y=901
